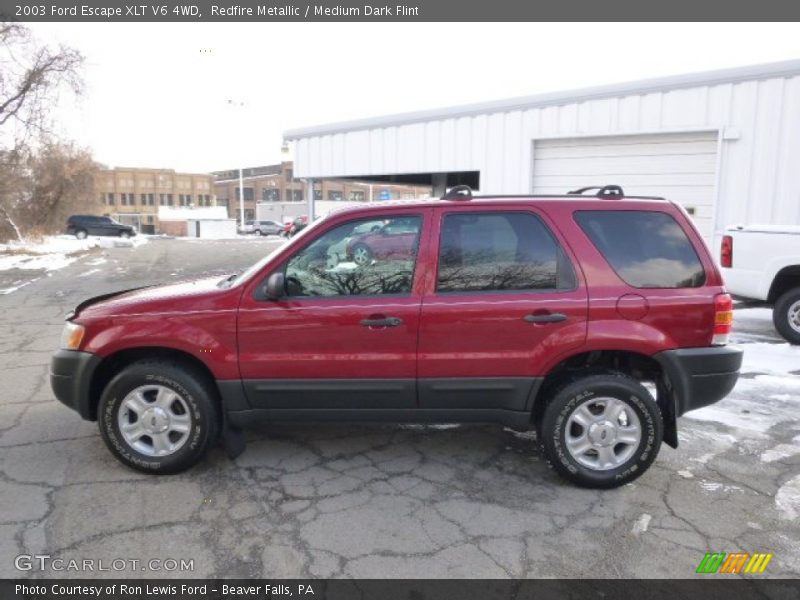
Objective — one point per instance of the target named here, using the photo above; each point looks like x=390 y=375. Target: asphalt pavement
x=381 y=501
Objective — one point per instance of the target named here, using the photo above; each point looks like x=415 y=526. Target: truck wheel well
x=633 y=364
x=114 y=363
x=786 y=279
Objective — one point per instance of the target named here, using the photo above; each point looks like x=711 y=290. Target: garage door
x=681 y=167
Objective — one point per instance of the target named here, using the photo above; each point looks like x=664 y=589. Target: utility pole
x=240 y=104
x=241 y=199
x=310 y=199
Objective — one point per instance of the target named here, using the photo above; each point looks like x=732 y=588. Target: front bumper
x=71 y=374
x=700 y=376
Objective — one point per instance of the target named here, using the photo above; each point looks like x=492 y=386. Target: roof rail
x=606 y=191
x=458 y=192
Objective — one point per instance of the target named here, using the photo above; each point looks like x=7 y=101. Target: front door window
x=359 y=258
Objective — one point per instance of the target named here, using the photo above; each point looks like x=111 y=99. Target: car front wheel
x=601 y=431
x=81 y=234
x=124 y=234
x=786 y=315
x=159 y=416
x=258 y=232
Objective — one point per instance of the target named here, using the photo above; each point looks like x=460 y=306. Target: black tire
x=785 y=315
x=572 y=395
x=81 y=234
x=258 y=232
x=198 y=396
x=356 y=252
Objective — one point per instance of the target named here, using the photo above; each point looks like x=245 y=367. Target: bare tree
x=32 y=76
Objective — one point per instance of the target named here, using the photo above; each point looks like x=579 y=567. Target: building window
x=150 y=219
x=317 y=195
x=334 y=195
x=271 y=195
x=170 y=200
x=162 y=199
x=110 y=199
x=356 y=196
x=294 y=195
x=289 y=174
x=248 y=194
x=126 y=199
x=146 y=199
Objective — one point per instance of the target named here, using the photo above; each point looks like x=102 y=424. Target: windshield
x=248 y=273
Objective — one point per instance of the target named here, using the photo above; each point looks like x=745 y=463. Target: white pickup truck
x=762 y=262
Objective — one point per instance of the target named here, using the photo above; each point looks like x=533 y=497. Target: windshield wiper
x=228 y=280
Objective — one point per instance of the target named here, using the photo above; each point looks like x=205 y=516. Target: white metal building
x=725 y=144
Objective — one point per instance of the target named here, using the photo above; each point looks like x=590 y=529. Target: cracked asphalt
x=376 y=501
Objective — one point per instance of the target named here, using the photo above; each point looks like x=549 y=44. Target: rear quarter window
x=646 y=249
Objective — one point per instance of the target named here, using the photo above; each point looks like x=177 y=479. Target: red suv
x=596 y=321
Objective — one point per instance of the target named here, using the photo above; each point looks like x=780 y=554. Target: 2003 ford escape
x=534 y=312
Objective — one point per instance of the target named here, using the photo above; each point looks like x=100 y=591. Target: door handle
x=548 y=318
x=384 y=322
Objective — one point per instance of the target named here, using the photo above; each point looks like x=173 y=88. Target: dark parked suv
x=596 y=321
x=82 y=225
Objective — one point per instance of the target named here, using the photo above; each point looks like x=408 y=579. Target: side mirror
x=275 y=287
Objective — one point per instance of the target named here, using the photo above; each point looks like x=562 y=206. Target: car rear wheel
x=362 y=255
x=786 y=315
x=159 y=416
x=601 y=431
x=81 y=234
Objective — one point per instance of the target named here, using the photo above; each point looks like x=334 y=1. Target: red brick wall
x=176 y=228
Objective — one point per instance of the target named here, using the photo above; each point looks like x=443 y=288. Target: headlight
x=71 y=336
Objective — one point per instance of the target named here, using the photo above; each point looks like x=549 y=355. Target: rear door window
x=500 y=251
x=646 y=249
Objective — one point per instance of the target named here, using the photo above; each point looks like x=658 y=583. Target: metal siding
x=757 y=179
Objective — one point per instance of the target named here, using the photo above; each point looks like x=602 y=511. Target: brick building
x=133 y=195
x=276 y=183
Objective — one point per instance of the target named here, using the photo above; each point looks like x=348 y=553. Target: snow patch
x=774 y=359
x=716 y=486
x=89 y=272
x=641 y=524
x=18 y=285
x=686 y=474
x=781 y=451
x=787 y=500
x=756 y=405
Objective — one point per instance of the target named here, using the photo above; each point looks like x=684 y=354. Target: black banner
x=147 y=11
x=388 y=589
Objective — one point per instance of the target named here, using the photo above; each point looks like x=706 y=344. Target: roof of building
x=249 y=172
x=787 y=68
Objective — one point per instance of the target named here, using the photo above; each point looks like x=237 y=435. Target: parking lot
x=378 y=501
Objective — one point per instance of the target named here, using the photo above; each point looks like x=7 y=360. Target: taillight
x=726 y=252
x=723 y=319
